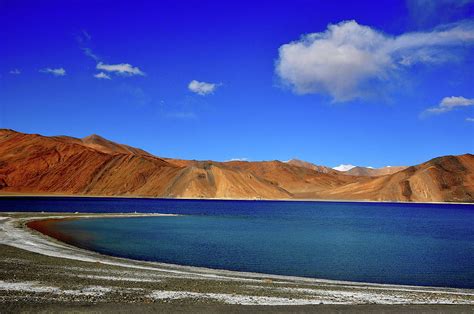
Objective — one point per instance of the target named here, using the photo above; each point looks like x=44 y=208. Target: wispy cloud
x=470 y=119
x=102 y=75
x=88 y=52
x=124 y=69
x=136 y=94
x=348 y=58
x=450 y=103
x=15 y=72
x=182 y=115
x=86 y=34
x=84 y=40
x=202 y=88
x=427 y=12
x=120 y=69
x=55 y=72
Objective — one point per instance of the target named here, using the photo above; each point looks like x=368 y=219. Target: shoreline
x=26 y=195
x=199 y=285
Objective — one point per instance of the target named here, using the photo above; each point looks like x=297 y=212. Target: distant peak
x=94 y=136
x=294 y=160
x=344 y=167
x=97 y=139
x=297 y=161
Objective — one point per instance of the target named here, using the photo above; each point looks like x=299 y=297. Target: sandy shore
x=40 y=272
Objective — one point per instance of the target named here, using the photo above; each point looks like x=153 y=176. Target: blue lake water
x=416 y=244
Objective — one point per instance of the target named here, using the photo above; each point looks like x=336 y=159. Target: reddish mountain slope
x=99 y=143
x=448 y=178
x=34 y=163
x=308 y=165
x=373 y=172
x=299 y=181
x=31 y=163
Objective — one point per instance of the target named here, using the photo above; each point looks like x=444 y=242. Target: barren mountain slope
x=373 y=172
x=305 y=164
x=34 y=163
x=31 y=163
x=296 y=180
x=448 y=178
x=97 y=142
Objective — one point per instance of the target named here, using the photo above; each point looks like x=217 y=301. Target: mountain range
x=62 y=165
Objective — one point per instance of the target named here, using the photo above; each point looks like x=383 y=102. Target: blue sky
x=371 y=84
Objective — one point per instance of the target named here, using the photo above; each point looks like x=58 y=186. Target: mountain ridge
x=373 y=172
x=32 y=163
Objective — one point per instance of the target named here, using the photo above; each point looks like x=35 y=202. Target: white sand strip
x=236 y=298
x=33 y=286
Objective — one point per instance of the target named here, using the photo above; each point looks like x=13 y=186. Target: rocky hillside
x=373 y=172
x=35 y=164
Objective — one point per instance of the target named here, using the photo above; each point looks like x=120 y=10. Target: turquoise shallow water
x=417 y=244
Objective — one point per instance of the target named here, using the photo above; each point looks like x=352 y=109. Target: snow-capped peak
x=343 y=167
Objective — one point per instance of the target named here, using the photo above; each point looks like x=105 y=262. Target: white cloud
x=102 y=75
x=55 y=72
x=202 y=88
x=449 y=103
x=121 y=69
x=470 y=119
x=343 y=167
x=15 y=71
x=345 y=58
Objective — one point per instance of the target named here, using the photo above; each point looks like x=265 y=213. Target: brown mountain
x=99 y=143
x=305 y=164
x=448 y=178
x=35 y=164
x=373 y=172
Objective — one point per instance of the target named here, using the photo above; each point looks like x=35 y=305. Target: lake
x=393 y=243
